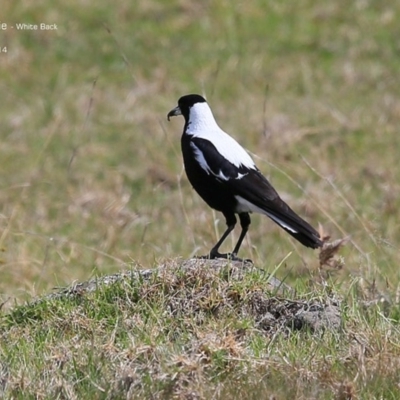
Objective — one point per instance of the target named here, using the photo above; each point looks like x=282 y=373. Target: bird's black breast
x=210 y=189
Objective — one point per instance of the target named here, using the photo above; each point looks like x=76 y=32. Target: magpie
x=227 y=179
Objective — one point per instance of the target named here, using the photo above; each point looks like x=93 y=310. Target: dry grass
x=92 y=177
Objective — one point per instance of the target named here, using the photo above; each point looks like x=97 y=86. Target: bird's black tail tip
x=309 y=240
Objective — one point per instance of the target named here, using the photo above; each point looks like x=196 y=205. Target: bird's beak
x=173 y=113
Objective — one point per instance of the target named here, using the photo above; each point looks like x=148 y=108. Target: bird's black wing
x=252 y=186
x=256 y=189
x=246 y=182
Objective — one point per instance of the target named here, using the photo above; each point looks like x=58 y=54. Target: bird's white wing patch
x=240 y=176
x=245 y=206
x=222 y=176
x=199 y=156
x=203 y=125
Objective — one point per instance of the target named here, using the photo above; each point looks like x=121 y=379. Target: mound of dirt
x=190 y=284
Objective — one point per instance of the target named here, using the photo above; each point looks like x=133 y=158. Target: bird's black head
x=185 y=103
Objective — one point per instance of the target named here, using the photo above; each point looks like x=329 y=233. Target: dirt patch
x=272 y=313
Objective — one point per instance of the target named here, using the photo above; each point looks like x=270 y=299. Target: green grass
x=92 y=178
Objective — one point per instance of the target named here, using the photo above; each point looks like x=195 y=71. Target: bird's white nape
x=202 y=124
x=201 y=118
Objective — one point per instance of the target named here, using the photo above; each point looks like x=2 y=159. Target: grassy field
x=92 y=183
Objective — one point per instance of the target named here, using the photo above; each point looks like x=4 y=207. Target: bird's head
x=185 y=103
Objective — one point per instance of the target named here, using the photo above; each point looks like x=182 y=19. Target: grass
x=92 y=183
x=193 y=333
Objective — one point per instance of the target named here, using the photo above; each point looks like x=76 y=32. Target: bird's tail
x=301 y=230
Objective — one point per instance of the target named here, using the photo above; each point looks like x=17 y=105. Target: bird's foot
x=226 y=256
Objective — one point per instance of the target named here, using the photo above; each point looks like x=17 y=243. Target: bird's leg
x=244 y=223
x=230 y=222
x=214 y=251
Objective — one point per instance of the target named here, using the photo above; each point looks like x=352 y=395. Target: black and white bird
x=226 y=178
